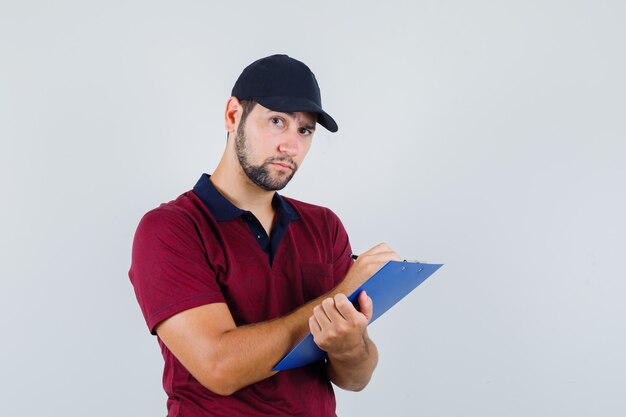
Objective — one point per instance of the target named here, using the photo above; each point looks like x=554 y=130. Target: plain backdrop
x=489 y=136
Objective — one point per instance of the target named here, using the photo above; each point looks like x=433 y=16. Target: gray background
x=489 y=136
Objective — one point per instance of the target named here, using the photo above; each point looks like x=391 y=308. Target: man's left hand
x=339 y=328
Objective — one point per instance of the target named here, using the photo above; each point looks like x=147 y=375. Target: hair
x=247 y=106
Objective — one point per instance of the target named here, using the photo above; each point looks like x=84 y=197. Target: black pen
x=355 y=257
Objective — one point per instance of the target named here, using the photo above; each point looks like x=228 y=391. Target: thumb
x=366 y=306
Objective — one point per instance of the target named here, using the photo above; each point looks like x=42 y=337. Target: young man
x=231 y=275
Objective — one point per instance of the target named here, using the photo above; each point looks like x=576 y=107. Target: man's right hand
x=366 y=265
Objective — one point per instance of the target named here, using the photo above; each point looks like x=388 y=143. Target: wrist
x=353 y=355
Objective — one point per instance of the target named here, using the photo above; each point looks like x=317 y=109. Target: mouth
x=282 y=165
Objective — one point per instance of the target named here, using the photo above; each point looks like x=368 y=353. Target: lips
x=285 y=166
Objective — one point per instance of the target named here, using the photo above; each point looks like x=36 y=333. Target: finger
x=372 y=266
x=314 y=326
x=395 y=257
x=331 y=310
x=379 y=258
x=373 y=263
x=320 y=316
x=366 y=305
x=387 y=255
x=381 y=247
x=345 y=307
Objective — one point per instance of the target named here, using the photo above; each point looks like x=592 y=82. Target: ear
x=232 y=114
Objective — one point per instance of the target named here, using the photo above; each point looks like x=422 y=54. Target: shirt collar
x=222 y=209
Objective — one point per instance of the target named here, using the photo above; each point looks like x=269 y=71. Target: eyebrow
x=307 y=125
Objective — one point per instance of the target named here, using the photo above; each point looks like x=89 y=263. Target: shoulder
x=307 y=209
x=315 y=215
x=325 y=227
x=181 y=213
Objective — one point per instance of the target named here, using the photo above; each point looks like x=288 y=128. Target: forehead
x=302 y=117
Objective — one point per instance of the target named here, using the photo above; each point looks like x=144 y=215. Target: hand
x=367 y=264
x=339 y=328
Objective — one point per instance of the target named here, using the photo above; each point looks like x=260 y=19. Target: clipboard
x=394 y=281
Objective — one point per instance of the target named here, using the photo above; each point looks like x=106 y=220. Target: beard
x=261 y=175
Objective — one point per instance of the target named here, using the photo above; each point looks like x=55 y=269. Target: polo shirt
x=200 y=249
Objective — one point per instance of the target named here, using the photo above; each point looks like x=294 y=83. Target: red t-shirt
x=201 y=249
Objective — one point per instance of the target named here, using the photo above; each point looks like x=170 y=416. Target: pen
x=355 y=257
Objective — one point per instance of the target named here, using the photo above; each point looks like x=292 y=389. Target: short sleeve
x=169 y=268
x=341 y=249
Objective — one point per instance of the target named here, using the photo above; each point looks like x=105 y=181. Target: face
x=271 y=145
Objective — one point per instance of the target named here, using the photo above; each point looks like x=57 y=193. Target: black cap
x=283 y=84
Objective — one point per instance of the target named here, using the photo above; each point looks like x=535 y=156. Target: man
x=231 y=275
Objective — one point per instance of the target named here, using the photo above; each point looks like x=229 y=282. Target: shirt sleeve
x=341 y=249
x=169 y=268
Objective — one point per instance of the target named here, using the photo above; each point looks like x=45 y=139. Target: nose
x=289 y=143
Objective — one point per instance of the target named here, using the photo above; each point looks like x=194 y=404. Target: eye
x=305 y=132
x=277 y=121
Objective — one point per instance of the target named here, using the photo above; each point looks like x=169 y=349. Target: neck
x=232 y=182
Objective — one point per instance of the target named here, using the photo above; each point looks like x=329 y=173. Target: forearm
x=353 y=371
x=246 y=354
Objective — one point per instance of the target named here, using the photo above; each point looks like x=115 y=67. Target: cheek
x=304 y=150
x=256 y=143
x=306 y=146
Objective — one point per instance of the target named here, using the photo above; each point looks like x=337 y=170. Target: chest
x=256 y=290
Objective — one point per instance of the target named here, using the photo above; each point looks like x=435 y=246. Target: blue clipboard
x=386 y=287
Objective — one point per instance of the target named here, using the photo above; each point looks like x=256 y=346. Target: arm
x=341 y=330
x=225 y=358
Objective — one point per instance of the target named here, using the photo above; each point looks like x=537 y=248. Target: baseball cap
x=283 y=84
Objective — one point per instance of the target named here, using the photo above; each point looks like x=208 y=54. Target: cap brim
x=297 y=104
